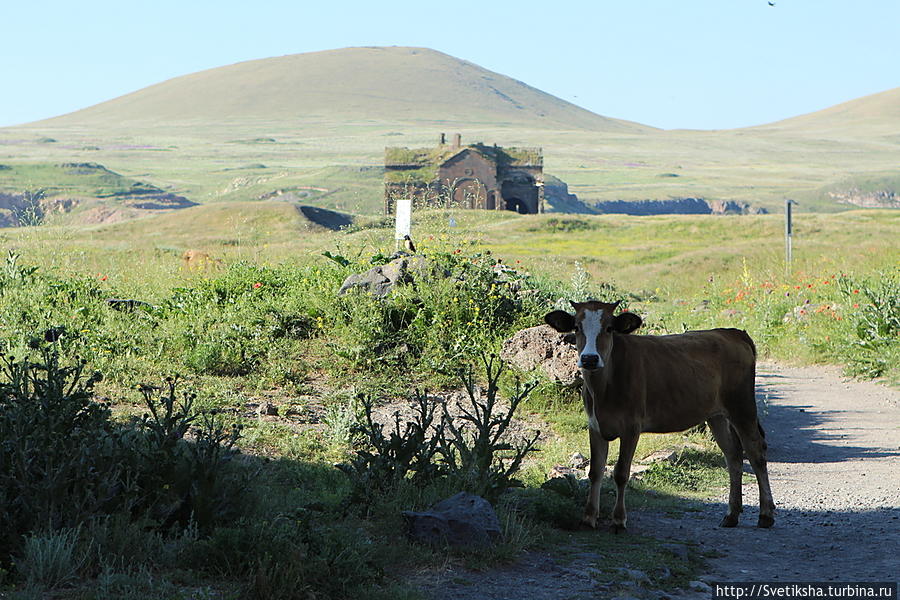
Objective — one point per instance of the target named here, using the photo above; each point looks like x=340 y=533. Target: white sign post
x=403 y=214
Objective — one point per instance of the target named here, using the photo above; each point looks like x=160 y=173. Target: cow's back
x=677 y=381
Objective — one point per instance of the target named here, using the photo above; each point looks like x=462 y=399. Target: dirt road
x=834 y=463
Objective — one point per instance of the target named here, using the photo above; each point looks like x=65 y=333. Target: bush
x=64 y=463
x=59 y=452
x=469 y=452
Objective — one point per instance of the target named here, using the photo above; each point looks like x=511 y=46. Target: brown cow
x=661 y=384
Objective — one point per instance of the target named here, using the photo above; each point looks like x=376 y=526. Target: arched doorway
x=517 y=205
x=522 y=192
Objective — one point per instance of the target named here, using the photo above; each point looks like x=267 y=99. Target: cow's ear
x=626 y=322
x=560 y=320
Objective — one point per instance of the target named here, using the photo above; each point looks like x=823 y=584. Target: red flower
x=257 y=285
x=855 y=291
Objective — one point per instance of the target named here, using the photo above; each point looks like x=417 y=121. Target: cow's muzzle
x=590 y=361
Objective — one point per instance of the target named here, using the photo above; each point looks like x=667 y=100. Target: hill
x=396 y=83
x=314 y=126
x=876 y=115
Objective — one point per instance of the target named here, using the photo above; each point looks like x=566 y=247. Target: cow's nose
x=590 y=361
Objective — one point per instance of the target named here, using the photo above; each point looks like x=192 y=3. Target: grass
x=264 y=325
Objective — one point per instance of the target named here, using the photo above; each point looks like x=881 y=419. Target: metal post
x=788 y=235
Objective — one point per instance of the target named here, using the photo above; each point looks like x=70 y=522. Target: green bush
x=64 y=463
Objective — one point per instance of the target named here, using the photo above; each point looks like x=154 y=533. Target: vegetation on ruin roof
x=421 y=157
x=425 y=174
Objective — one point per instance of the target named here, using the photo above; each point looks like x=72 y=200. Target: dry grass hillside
x=394 y=83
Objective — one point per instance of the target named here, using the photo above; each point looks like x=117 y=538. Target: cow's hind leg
x=734 y=459
x=621 y=474
x=754 y=442
x=599 y=452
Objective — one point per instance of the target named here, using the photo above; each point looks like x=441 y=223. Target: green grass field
x=259 y=323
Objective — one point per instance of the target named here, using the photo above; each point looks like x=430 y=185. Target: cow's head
x=594 y=326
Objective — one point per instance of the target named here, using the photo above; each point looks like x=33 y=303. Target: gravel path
x=834 y=464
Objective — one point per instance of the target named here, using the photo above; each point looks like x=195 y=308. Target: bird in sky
x=408 y=243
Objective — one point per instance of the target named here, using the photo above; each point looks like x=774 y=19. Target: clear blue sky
x=703 y=64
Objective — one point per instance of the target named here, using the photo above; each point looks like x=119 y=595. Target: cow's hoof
x=729 y=521
x=765 y=521
x=589 y=522
x=616 y=528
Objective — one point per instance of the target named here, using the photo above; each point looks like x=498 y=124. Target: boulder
x=380 y=281
x=545 y=348
x=462 y=520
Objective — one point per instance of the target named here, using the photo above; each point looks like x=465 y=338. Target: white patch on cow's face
x=590 y=329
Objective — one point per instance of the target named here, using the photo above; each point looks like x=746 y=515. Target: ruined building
x=471 y=176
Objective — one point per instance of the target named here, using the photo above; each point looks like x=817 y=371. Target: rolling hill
x=315 y=125
x=396 y=83
x=876 y=115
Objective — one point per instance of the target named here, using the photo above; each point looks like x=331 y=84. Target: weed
x=49 y=560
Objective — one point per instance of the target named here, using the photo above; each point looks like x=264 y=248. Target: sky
x=673 y=64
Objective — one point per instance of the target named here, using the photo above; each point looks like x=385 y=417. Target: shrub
x=469 y=452
x=49 y=560
x=876 y=323
x=64 y=463
x=59 y=452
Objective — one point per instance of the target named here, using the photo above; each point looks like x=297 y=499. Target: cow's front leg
x=599 y=452
x=621 y=474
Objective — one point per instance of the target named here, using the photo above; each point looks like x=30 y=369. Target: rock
x=637 y=471
x=562 y=471
x=543 y=347
x=380 y=281
x=660 y=456
x=461 y=520
x=267 y=409
x=578 y=461
x=699 y=586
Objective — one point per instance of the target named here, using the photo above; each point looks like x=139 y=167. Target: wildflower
x=257 y=285
x=856 y=305
x=855 y=291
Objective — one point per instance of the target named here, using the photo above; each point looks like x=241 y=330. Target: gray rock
x=699 y=586
x=461 y=520
x=543 y=347
x=380 y=281
x=267 y=409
